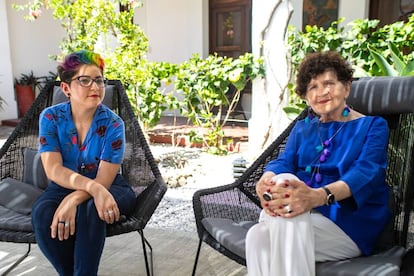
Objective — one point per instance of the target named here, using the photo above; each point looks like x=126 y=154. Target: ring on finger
x=288 y=209
x=267 y=196
x=110 y=212
x=66 y=224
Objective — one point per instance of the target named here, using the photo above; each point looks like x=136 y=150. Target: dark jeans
x=81 y=253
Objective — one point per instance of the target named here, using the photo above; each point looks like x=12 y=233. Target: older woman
x=325 y=197
x=82 y=144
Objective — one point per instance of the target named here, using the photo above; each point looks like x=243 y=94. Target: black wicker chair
x=139 y=168
x=224 y=214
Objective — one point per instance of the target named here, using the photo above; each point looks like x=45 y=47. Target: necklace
x=323 y=151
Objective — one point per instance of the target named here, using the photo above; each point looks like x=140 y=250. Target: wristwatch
x=330 y=198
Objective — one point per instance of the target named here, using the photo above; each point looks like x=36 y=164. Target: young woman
x=82 y=144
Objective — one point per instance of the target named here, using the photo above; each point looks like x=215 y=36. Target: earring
x=310 y=115
x=346 y=111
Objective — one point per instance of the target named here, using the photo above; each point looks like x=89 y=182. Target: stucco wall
x=175 y=29
x=6 y=75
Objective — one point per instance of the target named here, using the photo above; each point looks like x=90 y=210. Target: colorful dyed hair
x=68 y=68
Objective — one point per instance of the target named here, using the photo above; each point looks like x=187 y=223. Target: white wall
x=175 y=29
x=6 y=76
x=25 y=47
x=32 y=42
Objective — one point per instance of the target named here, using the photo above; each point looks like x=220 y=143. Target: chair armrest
x=228 y=201
x=146 y=203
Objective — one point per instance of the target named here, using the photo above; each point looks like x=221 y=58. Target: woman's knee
x=257 y=236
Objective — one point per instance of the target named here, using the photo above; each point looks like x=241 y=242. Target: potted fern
x=25 y=88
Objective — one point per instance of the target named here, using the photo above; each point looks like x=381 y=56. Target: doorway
x=230 y=36
x=230 y=27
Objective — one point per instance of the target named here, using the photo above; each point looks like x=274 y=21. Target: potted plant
x=25 y=88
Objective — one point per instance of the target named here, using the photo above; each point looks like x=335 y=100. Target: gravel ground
x=197 y=170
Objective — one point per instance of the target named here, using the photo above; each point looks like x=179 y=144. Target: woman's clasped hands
x=284 y=195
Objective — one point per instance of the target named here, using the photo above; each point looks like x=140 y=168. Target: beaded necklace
x=323 y=151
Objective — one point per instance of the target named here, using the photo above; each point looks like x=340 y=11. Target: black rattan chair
x=139 y=168
x=224 y=214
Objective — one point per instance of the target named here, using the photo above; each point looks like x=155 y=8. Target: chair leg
x=196 y=258
x=145 y=243
x=16 y=263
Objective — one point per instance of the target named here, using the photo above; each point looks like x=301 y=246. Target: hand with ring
x=267 y=196
x=63 y=232
x=288 y=209
x=110 y=216
x=65 y=223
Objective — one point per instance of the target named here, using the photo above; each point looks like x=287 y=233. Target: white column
x=269 y=21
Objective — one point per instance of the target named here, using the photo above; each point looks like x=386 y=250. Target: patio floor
x=173 y=251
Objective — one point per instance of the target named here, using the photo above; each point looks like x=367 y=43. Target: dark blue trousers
x=81 y=253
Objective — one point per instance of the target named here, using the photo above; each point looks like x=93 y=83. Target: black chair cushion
x=382 y=95
x=14 y=221
x=33 y=171
x=18 y=196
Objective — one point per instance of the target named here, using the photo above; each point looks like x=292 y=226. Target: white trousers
x=279 y=246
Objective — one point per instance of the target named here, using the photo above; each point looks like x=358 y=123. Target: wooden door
x=230 y=36
x=230 y=27
x=390 y=11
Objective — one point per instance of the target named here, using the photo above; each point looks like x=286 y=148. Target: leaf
x=396 y=57
x=385 y=67
x=409 y=69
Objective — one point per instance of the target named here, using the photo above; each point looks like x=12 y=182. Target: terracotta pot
x=25 y=97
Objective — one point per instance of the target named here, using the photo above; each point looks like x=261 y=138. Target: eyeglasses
x=86 y=81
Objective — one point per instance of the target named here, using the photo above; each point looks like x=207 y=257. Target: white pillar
x=269 y=22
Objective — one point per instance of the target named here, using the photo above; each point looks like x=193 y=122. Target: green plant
x=152 y=87
x=364 y=44
x=204 y=85
x=399 y=65
x=27 y=79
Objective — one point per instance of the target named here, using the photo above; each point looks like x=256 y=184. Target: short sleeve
x=48 y=130
x=114 y=146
